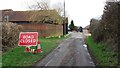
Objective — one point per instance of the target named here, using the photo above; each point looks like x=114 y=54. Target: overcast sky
x=80 y=11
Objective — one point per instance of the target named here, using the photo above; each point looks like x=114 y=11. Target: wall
x=45 y=30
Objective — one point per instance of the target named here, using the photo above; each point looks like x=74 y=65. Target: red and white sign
x=28 y=39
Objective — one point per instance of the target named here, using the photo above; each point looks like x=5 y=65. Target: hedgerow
x=10 y=35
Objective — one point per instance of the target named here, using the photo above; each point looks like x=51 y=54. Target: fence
x=44 y=30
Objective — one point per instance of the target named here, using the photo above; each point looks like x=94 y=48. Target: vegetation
x=0 y=60
x=103 y=55
x=1 y=36
x=17 y=56
x=106 y=29
x=10 y=35
x=72 y=26
x=50 y=14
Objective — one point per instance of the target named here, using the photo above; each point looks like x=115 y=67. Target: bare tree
x=41 y=5
x=59 y=7
x=45 y=14
x=45 y=5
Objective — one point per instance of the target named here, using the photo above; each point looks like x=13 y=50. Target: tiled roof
x=19 y=16
x=28 y=15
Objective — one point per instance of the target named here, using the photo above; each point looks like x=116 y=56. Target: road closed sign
x=28 y=38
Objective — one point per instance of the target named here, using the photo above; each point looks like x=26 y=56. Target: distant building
x=87 y=28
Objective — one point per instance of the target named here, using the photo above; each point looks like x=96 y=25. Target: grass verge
x=0 y=60
x=17 y=56
x=103 y=55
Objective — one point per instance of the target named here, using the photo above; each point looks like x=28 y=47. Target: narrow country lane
x=71 y=52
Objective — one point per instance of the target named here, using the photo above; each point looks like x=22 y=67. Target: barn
x=46 y=22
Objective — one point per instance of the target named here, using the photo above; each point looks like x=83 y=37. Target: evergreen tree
x=72 y=26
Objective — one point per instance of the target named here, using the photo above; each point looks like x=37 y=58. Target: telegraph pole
x=65 y=24
x=64 y=28
x=64 y=8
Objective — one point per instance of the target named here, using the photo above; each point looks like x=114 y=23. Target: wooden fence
x=44 y=30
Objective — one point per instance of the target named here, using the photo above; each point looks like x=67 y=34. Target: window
x=6 y=18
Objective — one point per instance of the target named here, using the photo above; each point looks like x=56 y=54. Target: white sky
x=80 y=11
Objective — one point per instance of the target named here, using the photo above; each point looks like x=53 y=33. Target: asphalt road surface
x=71 y=52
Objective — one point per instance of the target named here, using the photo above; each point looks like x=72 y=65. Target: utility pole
x=64 y=30
x=65 y=24
x=64 y=8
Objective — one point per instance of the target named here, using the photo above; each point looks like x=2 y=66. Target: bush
x=96 y=30
x=106 y=29
x=0 y=36
x=10 y=35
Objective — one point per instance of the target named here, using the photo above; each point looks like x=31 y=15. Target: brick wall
x=44 y=29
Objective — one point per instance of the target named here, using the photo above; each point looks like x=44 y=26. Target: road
x=71 y=52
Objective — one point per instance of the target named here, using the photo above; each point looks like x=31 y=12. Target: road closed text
x=28 y=39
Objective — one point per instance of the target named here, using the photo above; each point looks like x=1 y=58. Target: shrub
x=10 y=35
x=96 y=30
x=106 y=29
x=0 y=36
